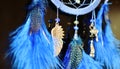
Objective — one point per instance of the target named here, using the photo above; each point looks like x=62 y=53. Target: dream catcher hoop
x=82 y=9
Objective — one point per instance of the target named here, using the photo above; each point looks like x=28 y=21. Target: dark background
x=13 y=13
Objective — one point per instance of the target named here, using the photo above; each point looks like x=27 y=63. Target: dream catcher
x=32 y=46
x=75 y=57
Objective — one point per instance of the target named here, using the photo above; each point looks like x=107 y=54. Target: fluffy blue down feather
x=32 y=45
x=111 y=43
x=106 y=49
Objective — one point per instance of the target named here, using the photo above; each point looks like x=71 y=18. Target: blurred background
x=13 y=13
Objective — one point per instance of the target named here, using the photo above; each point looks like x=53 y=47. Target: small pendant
x=57 y=34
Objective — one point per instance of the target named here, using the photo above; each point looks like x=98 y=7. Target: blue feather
x=67 y=58
x=111 y=43
x=100 y=54
x=89 y=63
x=83 y=61
x=106 y=52
x=32 y=45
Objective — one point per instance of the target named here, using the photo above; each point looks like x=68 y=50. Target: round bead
x=92 y=20
x=76 y=28
x=57 y=20
x=76 y=22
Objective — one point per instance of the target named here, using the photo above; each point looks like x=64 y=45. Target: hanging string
x=76 y=17
x=57 y=19
x=94 y=17
x=57 y=12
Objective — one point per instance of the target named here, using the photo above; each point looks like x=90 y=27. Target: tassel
x=110 y=42
x=92 y=52
x=76 y=58
x=32 y=45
